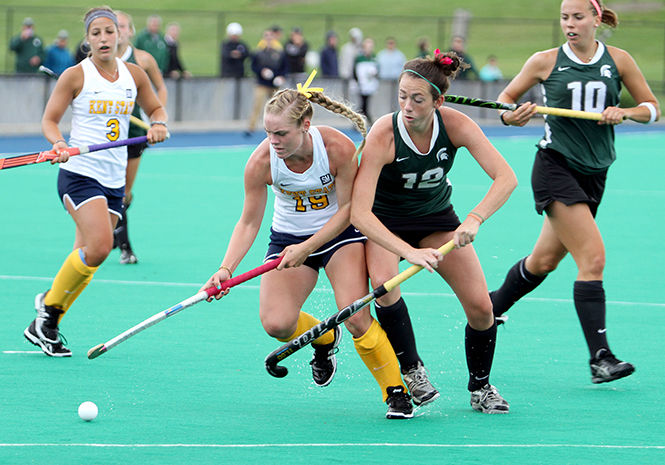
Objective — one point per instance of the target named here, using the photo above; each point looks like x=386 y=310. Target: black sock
x=479 y=347
x=590 y=305
x=519 y=282
x=395 y=321
x=121 y=233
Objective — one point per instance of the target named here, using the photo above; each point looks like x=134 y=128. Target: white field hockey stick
x=338 y=318
x=133 y=119
x=198 y=297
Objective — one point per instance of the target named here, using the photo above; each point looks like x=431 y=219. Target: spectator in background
x=423 y=47
x=490 y=72
x=175 y=68
x=277 y=31
x=152 y=41
x=82 y=50
x=366 y=72
x=329 y=61
x=458 y=45
x=390 y=60
x=28 y=47
x=269 y=65
x=275 y=40
x=349 y=52
x=234 y=52
x=58 y=57
x=296 y=49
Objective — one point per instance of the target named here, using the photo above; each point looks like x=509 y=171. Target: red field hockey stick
x=198 y=297
x=39 y=157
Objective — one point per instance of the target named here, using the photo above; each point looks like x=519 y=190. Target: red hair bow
x=442 y=59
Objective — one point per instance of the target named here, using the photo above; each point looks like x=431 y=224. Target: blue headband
x=100 y=14
x=423 y=77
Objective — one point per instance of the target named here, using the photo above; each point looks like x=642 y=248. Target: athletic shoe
x=488 y=400
x=43 y=331
x=501 y=319
x=324 y=362
x=606 y=367
x=399 y=403
x=419 y=386
x=127 y=256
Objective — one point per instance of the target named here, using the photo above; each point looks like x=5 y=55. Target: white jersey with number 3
x=304 y=202
x=100 y=114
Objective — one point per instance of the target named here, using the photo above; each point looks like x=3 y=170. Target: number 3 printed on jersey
x=114 y=129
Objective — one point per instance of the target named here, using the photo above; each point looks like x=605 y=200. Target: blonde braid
x=343 y=110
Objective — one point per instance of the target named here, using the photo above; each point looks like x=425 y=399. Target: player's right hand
x=62 y=155
x=216 y=281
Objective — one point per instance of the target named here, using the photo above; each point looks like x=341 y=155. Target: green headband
x=423 y=77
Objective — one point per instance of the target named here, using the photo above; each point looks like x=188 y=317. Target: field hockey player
x=402 y=203
x=311 y=170
x=571 y=166
x=91 y=187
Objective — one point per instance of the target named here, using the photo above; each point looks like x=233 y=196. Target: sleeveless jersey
x=304 y=202
x=134 y=130
x=415 y=183
x=100 y=114
x=587 y=146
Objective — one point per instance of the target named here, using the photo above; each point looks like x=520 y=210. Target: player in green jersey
x=571 y=165
x=401 y=202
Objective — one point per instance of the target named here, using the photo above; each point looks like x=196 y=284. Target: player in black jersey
x=571 y=165
x=401 y=202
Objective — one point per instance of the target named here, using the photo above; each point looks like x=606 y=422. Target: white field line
x=345 y=445
x=195 y=286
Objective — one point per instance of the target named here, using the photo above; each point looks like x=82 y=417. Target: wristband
x=228 y=270
x=501 y=118
x=478 y=216
x=60 y=140
x=652 y=110
x=163 y=123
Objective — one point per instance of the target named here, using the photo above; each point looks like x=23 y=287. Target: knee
x=542 y=265
x=594 y=265
x=276 y=328
x=359 y=323
x=479 y=313
x=97 y=253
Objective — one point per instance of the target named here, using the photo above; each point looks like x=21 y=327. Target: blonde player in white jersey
x=311 y=170
x=101 y=91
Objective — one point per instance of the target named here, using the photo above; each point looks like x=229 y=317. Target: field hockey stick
x=133 y=119
x=39 y=157
x=196 y=298
x=338 y=318
x=476 y=102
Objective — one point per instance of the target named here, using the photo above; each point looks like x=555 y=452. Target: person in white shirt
x=101 y=90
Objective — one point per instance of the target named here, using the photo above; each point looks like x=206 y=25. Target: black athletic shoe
x=324 y=362
x=399 y=404
x=43 y=331
x=606 y=367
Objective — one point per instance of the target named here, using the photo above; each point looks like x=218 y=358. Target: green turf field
x=193 y=388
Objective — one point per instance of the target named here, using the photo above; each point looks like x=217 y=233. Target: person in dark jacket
x=234 y=52
x=269 y=65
